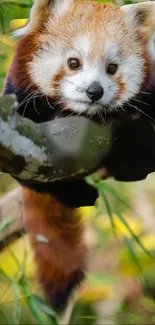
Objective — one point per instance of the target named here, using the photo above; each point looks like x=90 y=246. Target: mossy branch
x=25 y=153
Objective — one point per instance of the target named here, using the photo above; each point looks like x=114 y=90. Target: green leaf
x=137 y=240
x=6 y=223
x=133 y=253
x=108 y=209
x=17 y=306
x=114 y=193
x=32 y=304
x=7 y=320
x=90 y=181
x=4 y=275
x=46 y=309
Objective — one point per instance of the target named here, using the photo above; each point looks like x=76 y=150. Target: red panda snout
x=95 y=91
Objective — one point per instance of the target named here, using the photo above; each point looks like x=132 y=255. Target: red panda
x=84 y=57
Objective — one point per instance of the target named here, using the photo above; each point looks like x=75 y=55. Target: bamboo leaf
x=114 y=193
x=108 y=209
x=17 y=306
x=137 y=240
x=6 y=318
x=6 y=223
x=133 y=253
x=32 y=304
x=46 y=309
x=4 y=275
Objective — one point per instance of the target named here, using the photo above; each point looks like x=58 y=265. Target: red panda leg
x=55 y=232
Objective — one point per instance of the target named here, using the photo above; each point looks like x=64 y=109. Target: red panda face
x=88 y=57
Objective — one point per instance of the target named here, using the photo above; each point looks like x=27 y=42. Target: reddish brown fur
x=19 y=69
x=61 y=260
x=56 y=81
x=121 y=88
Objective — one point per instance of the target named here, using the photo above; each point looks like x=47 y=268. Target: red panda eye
x=73 y=63
x=112 y=68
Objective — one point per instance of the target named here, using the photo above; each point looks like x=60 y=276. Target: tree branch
x=51 y=151
x=63 y=148
x=23 y=149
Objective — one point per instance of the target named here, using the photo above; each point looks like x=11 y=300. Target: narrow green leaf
x=14 y=256
x=46 y=309
x=6 y=223
x=108 y=209
x=90 y=181
x=17 y=306
x=94 y=180
x=133 y=253
x=4 y=275
x=7 y=320
x=31 y=302
x=137 y=240
x=114 y=193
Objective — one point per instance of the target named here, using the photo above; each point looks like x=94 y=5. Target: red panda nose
x=95 y=91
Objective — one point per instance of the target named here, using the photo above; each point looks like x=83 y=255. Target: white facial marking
x=20 y=32
x=151 y=48
x=45 y=65
x=74 y=88
x=132 y=74
x=61 y=6
x=111 y=50
x=83 y=45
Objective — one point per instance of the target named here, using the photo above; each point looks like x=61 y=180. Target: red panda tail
x=55 y=232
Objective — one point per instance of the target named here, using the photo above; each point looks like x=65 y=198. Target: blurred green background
x=120 y=234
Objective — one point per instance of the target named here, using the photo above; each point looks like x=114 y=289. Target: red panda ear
x=39 y=12
x=140 y=15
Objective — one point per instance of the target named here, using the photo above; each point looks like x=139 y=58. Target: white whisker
x=49 y=103
x=139 y=101
x=145 y=93
x=24 y=100
x=69 y=82
x=123 y=110
x=34 y=105
x=139 y=110
x=24 y=110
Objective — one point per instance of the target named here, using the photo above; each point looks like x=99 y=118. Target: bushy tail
x=56 y=233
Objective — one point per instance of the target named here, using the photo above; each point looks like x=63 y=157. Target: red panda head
x=87 y=56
